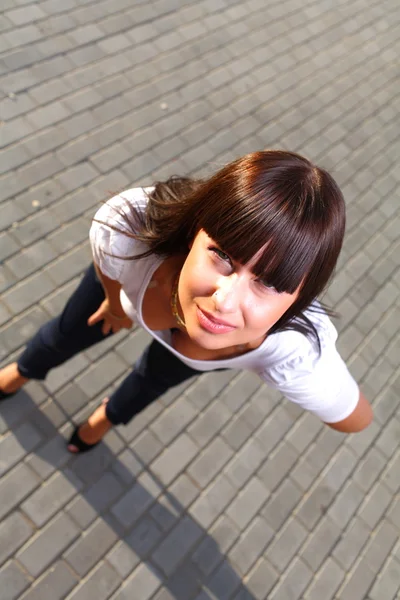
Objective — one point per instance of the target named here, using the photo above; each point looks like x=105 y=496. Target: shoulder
x=111 y=232
x=317 y=379
x=291 y=347
x=112 y=212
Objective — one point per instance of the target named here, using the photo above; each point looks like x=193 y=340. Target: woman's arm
x=358 y=420
x=112 y=290
x=110 y=310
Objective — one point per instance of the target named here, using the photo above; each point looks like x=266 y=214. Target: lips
x=210 y=323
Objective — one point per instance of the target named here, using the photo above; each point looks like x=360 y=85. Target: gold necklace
x=174 y=304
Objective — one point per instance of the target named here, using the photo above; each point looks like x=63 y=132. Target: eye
x=267 y=286
x=222 y=255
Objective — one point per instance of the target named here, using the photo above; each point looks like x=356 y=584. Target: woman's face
x=222 y=302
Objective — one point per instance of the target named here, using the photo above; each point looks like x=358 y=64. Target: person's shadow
x=110 y=516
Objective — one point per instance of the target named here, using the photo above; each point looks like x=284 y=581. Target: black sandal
x=5 y=395
x=82 y=446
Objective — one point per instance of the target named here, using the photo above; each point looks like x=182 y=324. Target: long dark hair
x=274 y=201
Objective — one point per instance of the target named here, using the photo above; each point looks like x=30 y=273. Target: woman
x=223 y=273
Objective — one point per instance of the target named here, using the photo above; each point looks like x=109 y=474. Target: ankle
x=11 y=379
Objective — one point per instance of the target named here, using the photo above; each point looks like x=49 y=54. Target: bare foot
x=11 y=379
x=94 y=429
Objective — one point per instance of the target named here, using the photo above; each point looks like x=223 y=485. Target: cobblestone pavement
x=222 y=489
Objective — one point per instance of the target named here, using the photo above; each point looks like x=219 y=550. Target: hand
x=111 y=322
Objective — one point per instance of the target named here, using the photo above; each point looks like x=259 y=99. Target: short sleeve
x=318 y=382
x=110 y=245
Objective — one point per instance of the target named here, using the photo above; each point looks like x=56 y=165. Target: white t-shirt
x=287 y=361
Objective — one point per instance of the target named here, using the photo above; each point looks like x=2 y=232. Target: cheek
x=195 y=274
x=190 y=281
x=267 y=312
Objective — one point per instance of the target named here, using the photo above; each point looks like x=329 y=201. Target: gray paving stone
x=123 y=559
x=135 y=502
x=31 y=259
x=17 y=333
x=47 y=544
x=14 y=531
x=10 y=214
x=48 y=457
x=81 y=512
x=50 y=498
x=260 y=581
x=87 y=551
x=286 y=544
x=13 y=581
x=178 y=542
x=102 y=582
x=186 y=581
x=346 y=503
x=144 y=582
x=77 y=176
x=320 y=545
x=213 y=501
x=273 y=429
x=56 y=583
x=236 y=433
x=209 y=553
x=369 y=469
x=278 y=465
x=15 y=446
x=144 y=537
x=388 y=582
x=375 y=505
x=5 y=315
x=251 y=545
x=380 y=546
x=128 y=466
x=353 y=540
x=185 y=490
x=304 y=432
x=20 y=16
x=281 y=504
x=166 y=512
x=208 y=388
x=248 y=503
x=96 y=379
x=293 y=585
x=327 y=582
x=34 y=228
x=245 y=463
x=209 y=462
x=173 y=420
x=357 y=586
x=15 y=486
x=174 y=459
x=223 y=582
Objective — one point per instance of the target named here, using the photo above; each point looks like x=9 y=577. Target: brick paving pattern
x=221 y=490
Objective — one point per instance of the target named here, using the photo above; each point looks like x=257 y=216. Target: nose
x=227 y=295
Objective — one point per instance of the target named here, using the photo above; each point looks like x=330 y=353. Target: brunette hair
x=273 y=203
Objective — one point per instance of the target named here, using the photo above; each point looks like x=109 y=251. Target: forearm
x=112 y=290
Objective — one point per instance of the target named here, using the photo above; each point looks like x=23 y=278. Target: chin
x=209 y=341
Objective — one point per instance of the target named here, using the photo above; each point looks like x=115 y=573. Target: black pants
x=63 y=337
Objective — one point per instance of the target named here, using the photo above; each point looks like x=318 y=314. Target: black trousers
x=155 y=372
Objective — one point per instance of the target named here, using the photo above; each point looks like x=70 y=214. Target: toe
x=73 y=449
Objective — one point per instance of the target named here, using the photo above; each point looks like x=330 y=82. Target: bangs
x=287 y=244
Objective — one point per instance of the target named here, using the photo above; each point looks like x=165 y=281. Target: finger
x=106 y=328
x=94 y=318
